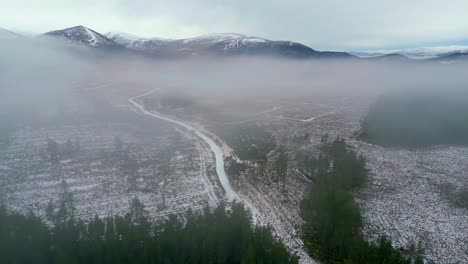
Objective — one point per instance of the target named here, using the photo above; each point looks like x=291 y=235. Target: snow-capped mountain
x=417 y=53
x=82 y=35
x=122 y=38
x=136 y=43
x=219 y=44
x=6 y=34
x=224 y=44
x=258 y=46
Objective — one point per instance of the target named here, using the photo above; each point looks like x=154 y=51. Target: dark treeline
x=458 y=197
x=311 y=166
x=417 y=120
x=250 y=142
x=212 y=236
x=333 y=221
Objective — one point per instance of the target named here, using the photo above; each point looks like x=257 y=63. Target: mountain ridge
x=7 y=34
x=221 y=44
x=235 y=44
x=416 y=53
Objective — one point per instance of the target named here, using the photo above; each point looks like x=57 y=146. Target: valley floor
x=406 y=197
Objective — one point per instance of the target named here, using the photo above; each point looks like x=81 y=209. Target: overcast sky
x=325 y=24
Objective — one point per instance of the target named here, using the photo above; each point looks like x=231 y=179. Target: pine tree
x=52 y=149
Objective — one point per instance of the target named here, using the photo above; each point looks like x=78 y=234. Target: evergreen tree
x=281 y=165
x=333 y=220
x=52 y=149
x=212 y=236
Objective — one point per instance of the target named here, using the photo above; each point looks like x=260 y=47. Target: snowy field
x=173 y=172
x=405 y=199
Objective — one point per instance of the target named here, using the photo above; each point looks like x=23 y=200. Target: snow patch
x=94 y=40
x=416 y=53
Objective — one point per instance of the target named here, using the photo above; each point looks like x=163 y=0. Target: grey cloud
x=332 y=24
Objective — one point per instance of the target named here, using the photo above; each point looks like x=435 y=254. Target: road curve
x=231 y=194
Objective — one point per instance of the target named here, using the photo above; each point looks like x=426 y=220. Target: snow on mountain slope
x=224 y=44
x=216 y=44
x=121 y=38
x=417 y=53
x=6 y=34
x=126 y=39
x=137 y=43
x=83 y=35
x=436 y=51
x=212 y=38
x=132 y=41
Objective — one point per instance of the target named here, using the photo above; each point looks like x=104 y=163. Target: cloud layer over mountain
x=330 y=25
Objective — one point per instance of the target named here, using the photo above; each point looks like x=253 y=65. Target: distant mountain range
x=233 y=44
x=6 y=34
x=432 y=53
x=226 y=44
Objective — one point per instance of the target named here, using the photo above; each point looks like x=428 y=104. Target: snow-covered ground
x=175 y=171
x=406 y=197
x=231 y=194
x=405 y=200
x=267 y=204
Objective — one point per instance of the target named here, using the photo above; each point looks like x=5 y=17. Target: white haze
x=41 y=77
x=36 y=77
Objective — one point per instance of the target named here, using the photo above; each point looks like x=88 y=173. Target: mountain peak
x=76 y=27
x=83 y=35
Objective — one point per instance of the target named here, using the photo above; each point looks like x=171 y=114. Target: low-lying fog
x=41 y=76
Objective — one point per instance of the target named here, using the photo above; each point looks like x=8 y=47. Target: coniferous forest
x=333 y=220
x=212 y=236
x=331 y=231
x=418 y=120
